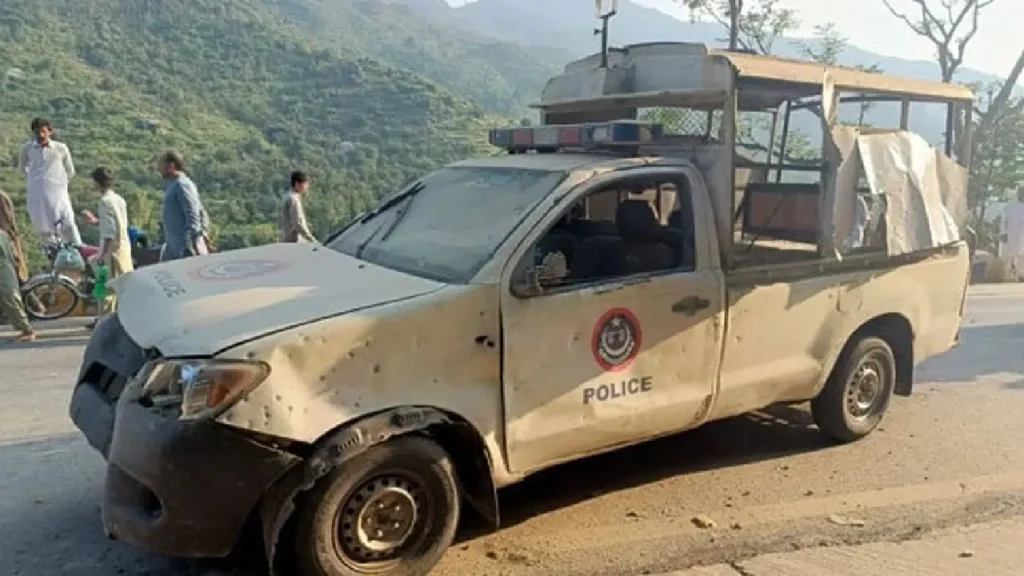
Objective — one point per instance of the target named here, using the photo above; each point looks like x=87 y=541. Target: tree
x=726 y=12
x=950 y=32
x=997 y=168
x=997 y=155
x=1000 y=106
x=753 y=25
x=993 y=150
x=827 y=47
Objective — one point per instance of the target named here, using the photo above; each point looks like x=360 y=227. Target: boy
x=291 y=220
x=115 y=247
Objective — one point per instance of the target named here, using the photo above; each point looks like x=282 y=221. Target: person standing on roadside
x=48 y=169
x=1012 y=235
x=115 y=247
x=184 y=218
x=291 y=220
x=11 y=304
x=9 y=224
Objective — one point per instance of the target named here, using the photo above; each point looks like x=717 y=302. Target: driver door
x=594 y=364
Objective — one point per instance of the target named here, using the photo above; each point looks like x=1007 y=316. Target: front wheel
x=858 y=391
x=49 y=299
x=390 y=511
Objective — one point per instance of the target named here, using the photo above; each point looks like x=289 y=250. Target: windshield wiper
x=410 y=198
x=390 y=203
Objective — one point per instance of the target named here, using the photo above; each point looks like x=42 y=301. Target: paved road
x=989 y=548
x=947 y=457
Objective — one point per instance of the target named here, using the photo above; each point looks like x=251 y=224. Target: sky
x=870 y=25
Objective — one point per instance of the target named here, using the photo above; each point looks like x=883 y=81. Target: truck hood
x=201 y=306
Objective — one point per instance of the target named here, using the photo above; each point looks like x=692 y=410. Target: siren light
x=586 y=136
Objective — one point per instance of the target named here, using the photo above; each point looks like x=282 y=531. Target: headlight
x=205 y=388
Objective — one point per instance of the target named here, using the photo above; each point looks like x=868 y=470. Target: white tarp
x=924 y=190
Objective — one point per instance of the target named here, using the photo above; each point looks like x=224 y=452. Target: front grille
x=111 y=359
x=107 y=381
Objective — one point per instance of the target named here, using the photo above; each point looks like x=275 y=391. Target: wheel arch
x=897 y=331
x=460 y=439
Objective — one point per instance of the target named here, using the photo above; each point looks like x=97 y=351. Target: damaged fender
x=471 y=461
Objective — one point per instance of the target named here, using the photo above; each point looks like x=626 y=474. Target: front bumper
x=183 y=488
x=111 y=359
x=176 y=488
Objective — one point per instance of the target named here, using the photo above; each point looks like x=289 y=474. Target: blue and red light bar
x=605 y=134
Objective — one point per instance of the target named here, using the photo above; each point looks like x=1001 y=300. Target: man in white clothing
x=1013 y=235
x=48 y=168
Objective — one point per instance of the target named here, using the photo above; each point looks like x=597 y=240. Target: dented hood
x=201 y=306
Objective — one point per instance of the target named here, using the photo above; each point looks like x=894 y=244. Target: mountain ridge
x=500 y=76
x=244 y=93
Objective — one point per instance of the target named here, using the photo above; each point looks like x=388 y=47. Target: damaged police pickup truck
x=503 y=315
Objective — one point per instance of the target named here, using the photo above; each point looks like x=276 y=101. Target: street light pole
x=605 y=14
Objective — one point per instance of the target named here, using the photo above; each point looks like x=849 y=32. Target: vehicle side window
x=636 y=226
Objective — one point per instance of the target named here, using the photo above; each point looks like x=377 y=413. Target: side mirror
x=530 y=286
x=530 y=278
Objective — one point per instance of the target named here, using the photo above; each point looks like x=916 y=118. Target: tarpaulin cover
x=924 y=190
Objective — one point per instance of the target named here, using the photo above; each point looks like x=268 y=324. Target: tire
x=328 y=535
x=50 y=300
x=858 y=391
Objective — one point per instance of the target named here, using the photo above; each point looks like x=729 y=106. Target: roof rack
x=668 y=73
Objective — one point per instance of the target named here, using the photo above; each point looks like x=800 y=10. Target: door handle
x=690 y=305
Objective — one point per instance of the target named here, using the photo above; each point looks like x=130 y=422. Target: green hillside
x=498 y=75
x=245 y=94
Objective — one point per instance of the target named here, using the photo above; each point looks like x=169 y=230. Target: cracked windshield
x=511 y=287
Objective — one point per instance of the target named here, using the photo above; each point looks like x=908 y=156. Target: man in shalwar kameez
x=13 y=271
x=48 y=168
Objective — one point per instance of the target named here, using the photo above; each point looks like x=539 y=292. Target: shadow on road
x=51 y=491
x=996 y=347
x=775 y=432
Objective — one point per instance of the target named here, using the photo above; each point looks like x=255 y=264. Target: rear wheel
x=390 y=511
x=858 y=391
x=50 y=300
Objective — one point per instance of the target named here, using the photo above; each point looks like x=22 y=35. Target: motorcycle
x=54 y=294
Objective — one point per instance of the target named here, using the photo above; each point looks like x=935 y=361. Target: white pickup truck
x=497 y=317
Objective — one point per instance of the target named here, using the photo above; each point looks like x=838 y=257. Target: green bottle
x=99 y=288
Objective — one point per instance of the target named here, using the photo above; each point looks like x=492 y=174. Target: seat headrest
x=636 y=221
x=681 y=220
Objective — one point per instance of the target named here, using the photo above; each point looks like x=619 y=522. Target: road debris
x=704 y=522
x=846 y=521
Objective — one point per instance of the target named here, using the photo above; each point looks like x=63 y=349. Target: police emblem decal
x=616 y=340
x=236 y=270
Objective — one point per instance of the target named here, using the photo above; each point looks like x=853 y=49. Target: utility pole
x=605 y=13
